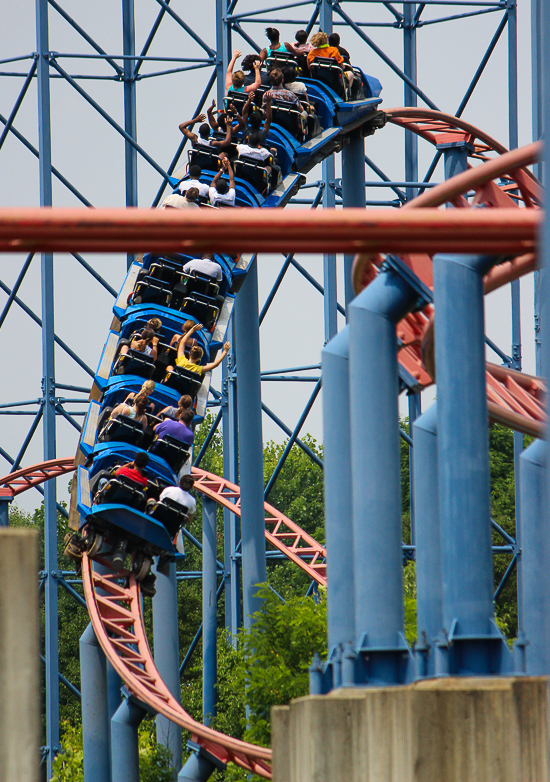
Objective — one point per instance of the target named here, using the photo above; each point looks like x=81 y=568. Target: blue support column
x=48 y=391
x=415 y=410
x=231 y=532
x=209 y=610
x=96 y=724
x=474 y=644
x=329 y=197
x=338 y=495
x=165 y=636
x=129 y=49
x=353 y=193
x=197 y=768
x=223 y=49
x=536 y=560
x=249 y=405
x=429 y=585
x=455 y=155
x=5 y=500
x=125 y=742
x=411 y=99
x=376 y=476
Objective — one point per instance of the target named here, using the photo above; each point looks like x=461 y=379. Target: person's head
x=276 y=77
x=290 y=75
x=204 y=131
x=208 y=257
x=334 y=39
x=141 y=403
x=222 y=121
x=185 y=402
x=195 y=172
x=301 y=36
x=273 y=34
x=187 y=326
x=255 y=140
x=186 y=416
x=147 y=334
x=141 y=460
x=222 y=187
x=154 y=323
x=319 y=39
x=247 y=63
x=237 y=79
x=186 y=482
x=255 y=121
x=195 y=354
x=148 y=387
x=192 y=194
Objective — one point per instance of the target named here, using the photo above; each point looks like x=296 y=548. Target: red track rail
x=280 y=531
x=17 y=482
x=514 y=399
x=117 y=619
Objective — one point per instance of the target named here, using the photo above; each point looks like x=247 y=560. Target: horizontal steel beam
x=510 y=231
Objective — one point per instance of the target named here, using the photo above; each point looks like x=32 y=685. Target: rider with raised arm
x=191 y=364
x=235 y=82
x=203 y=140
x=220 y=192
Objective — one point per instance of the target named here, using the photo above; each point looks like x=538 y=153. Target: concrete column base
x=437 y=730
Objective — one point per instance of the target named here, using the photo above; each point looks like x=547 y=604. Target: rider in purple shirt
x=179 y=429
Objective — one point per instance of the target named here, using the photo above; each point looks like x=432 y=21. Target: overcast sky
x=91 y=155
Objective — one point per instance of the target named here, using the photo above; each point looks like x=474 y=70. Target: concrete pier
x=436 y=730
x=19 y=661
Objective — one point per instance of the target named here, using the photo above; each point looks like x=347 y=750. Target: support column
x=376 y=477
x=536 y=559
x=20 y=724
x=165 y=636
x=353 y=193
x=124 y=740
x=96 y=727
x=249 y=403
x=455 y=155
x=338 y=498
x=198 y=768
x=409 y=68
x=5 y=500
x=48 y=392
x=329 y=261
x=130 y=125
x=223 y=49
x=209 y=609
x=415 y=410
x=472 y=644
x=231 y=534
x=429 y=584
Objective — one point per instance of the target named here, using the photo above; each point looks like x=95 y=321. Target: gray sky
x=91 y=155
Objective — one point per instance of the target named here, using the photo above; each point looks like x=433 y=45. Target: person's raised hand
x=197 y=326
x=201 y=117
x=227 y=347
x=213 y=106
x=237 y=53
x=268 y=98
x=250 y=97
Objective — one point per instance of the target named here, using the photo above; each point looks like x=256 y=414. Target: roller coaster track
x=27 y=478
x=514 y=398
x=117 y=619
x=116 y=616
